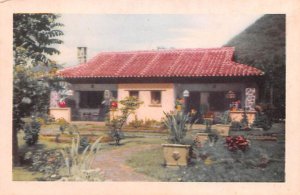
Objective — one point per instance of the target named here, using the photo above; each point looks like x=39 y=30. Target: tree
x=34 y=38
x=129 y=106
x=262 y=45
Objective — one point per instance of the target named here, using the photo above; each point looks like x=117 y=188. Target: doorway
x=194 y=100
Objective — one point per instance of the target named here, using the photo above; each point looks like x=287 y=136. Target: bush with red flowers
x=234 y=143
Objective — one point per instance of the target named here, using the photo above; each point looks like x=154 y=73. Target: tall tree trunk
x=271 y=94
x=16 y=160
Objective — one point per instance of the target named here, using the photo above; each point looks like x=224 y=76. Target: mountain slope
x=262 y=45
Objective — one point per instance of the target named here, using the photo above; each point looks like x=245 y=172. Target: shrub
x=235 y=126
x=63 y=124
x=47 y=162
x=150 y=123
x=129 y=105
x=44 y=119
x=225 y=117
x=244 y=121
x=236 y=143
x=262 y=121
x=136 y=123
x=41 y=120
x=31 y=130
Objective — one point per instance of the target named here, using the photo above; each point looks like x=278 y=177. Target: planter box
x=176 y=154
x=201 y=138
x=61 y=113
x=238 y=115
x=222 y=129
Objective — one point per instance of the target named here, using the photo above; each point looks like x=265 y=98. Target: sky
x=117 y=32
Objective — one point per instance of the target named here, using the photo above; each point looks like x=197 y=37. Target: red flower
x=236 y=142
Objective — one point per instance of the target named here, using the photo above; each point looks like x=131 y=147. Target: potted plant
x=176 y=153
x=203 y=137
x=209 y=135
x=223 y=129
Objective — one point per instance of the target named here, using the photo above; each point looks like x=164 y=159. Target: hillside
x=262 y=45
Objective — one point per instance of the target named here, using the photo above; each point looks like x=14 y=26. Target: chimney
x=81 y=54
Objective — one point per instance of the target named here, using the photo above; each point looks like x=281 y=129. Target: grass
x=41 y=144
x=150 y=162
x=22 y=174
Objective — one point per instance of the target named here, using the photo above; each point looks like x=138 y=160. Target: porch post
x=76 y=98
x=250 y=99
x=186 y=95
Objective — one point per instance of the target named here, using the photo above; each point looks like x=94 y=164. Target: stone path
x=113 y=164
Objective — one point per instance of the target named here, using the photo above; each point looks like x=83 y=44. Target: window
x=90 y=99
x=155 y=97
x=134 y=94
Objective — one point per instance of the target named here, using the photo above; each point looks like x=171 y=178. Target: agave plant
x=177 y=125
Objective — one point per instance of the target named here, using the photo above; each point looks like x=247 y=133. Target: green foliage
x=262 y=45
x=226 y=117
x=208 y=123
x=77 y=164
x=31 y=130
x=262 y=121
x=34 y=72
x=177 y=125
x=235 y=126
x=147 y=123
x=35 y=33
x=47 y=162
x=244 y=121
x=128 y=107
x=84 y=142
x=63 y=124
x=136 y=123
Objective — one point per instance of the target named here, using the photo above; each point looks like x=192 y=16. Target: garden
x=91 y=152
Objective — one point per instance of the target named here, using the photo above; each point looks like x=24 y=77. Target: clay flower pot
x=222 y=129
x=176 y=154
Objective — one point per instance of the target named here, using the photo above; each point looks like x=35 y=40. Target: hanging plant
x=62 y=104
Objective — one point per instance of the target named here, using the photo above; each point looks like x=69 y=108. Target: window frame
x=152 y=94
x=134 y=91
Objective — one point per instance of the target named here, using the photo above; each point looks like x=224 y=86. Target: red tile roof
x=213 y=62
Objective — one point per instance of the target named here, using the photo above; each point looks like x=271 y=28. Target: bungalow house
x=209 y=78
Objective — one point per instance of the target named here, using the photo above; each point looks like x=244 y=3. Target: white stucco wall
x=146 y=110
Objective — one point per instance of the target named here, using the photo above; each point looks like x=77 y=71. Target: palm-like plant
x=177 y=125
